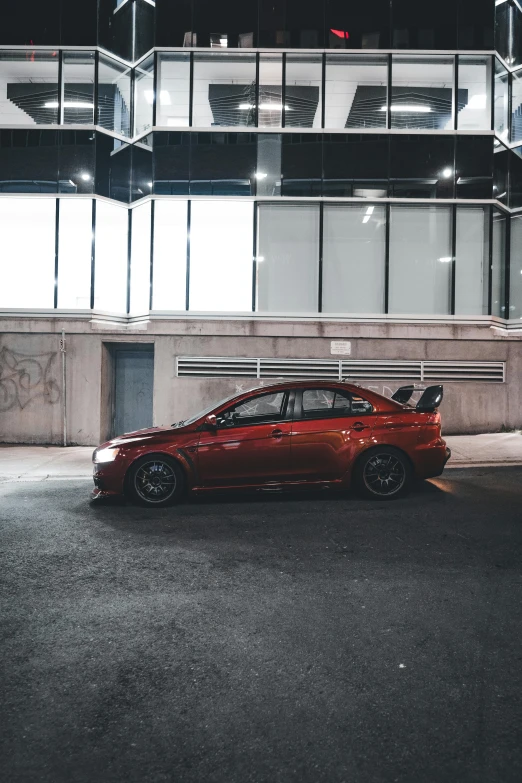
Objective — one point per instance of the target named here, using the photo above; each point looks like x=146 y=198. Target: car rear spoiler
x=430 y=399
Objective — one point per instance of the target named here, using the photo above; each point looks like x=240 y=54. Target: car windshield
x=205 y=411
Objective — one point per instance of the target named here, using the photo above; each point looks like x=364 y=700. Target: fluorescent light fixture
x=262 y=258
x=407 y=107
x=446 y=173
x=69 y=105
x=149 y=184
x=366 y=218
x=369 y=211
x=261 y=175
x=477 y=102
x=86 y=177
x=246 y=106
x=445 y=259
x=264 y=106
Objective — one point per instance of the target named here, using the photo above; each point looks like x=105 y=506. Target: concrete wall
x=31 y=389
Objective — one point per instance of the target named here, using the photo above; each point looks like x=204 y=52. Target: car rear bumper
x=431 y=459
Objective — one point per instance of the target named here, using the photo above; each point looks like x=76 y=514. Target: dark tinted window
x=222 y=164
x=30 y=22
x=421 y=25
x=272 y=23
x=141 y=171
x=500 y=173
x=355 y=165
x=422 y=166
x=224 y=24
x=474 y=166
x=76 y=161
x=305 y=23
x=301 y=164
x=173 y=22
x=29 y=161
x=262 y=409
x=515 y=178
x=78 y=22
x=322 y=403
x=115 y=27
x=144 y=28
x=113 y=168
x=357 y=26
x=171 y=163
x=475 y=24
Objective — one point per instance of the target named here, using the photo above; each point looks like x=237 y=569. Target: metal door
x=134 y=373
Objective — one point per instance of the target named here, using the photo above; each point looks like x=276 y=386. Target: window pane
x=268 y=171
x=113 y=168
x=422 y=166
x=476 y=24
x=418 y=25
x=222 y=164
x=221 y=241
x=501 y=102
x=114 y=96
x=474 y=110
x=144 y=95
x=303 y=91
x=356 y=89
x=27 y=252
x=174 y=23
x=172 y=108
x=420 y=260
x=500 y=173
x=288 y=258
x=474 y=160
x=78 y=91
x=515 y=268
x=498 y=287
x=422 y=92
x=171 y=163
x=222 y=25
x=29 y=161
x=28 y=87
x=365 y=26
x=353 y=258
x=472 y=261
x=268 y=407
x=140 y=259
x=302 y=163
x=170 y=255
x=76 y=162
x=516 y=107
x=270 y=90
x=74 y=253
x=355 y=165
x=272 y=23
x=515 y=178
x=110 y=278
x=224 y=90
x=508 y=41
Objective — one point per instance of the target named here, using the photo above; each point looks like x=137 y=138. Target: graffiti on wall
x=26 y=378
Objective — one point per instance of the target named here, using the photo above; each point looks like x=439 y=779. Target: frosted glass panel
x=27 y=252
x=515 y=290
x=353 y=259
x=110 y=279
x=221 y=241
x=474 y=92
x=288 y=258
x=172 y=104
x=74 y=253
x=472 y=259
x=498 y=264
x=170 y=255
x=420 y=260
x=140 y=259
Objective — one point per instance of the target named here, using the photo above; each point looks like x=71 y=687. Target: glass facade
x=273 y=157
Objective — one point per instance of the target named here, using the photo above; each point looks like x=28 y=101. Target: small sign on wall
x=340 y=347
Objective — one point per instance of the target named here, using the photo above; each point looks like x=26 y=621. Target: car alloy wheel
x=155 y=481
x=384 y=474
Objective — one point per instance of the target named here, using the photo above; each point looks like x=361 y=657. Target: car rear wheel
x=383 y=473
x=155 y=480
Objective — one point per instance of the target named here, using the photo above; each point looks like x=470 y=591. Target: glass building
x=317 y=159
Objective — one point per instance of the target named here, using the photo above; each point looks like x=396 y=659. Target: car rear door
x=251 y=445
x=331 y=427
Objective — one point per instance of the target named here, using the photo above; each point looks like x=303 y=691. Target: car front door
x=331 y=427
x=251 y=445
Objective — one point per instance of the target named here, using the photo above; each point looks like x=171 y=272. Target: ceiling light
x=149 y=184
x=447 y=173
x=477 y=102
x=86 y=177
x=369 y=211
x=262 y=258
x=366 y=218
x=69 y=105
x=406 y=107
x=264 y=106
x=445 y=259
x=261 y=175
x=246 y=106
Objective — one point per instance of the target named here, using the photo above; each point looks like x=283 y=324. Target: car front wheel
x=155 y=480
x=383 y=473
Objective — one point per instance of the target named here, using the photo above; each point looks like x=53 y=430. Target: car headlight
x=106 y=455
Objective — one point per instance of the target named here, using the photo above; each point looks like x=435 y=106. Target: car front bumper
x=108 y=479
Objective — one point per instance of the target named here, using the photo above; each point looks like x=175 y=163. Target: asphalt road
x=264 y=639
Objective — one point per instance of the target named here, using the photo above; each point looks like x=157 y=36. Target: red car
x=286 y=435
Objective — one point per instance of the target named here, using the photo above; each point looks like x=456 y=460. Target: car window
x=320 y=403
x=256 y=410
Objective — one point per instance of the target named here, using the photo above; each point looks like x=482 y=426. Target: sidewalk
x=38 y=463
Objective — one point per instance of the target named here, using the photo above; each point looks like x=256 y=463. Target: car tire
x=155 y=481
x=383 y=473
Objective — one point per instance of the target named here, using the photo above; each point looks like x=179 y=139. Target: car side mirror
x=211 y=421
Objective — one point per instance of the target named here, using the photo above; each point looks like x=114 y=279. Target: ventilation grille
x=333 y=369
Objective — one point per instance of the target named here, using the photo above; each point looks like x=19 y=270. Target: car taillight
x=434 y=418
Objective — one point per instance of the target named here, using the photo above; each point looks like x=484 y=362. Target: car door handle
x=358 y=426
x=277 y=433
